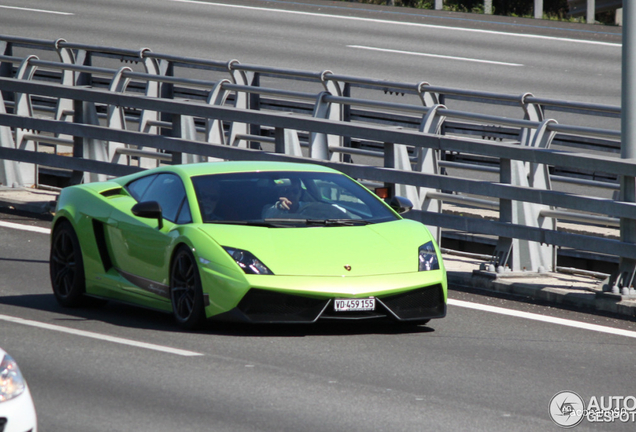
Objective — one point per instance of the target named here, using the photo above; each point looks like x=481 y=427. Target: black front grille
x=421 y=303
x=329 y=313
x=3 y=422
x=270 y=306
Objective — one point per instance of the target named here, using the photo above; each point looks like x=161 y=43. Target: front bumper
x=264 y=306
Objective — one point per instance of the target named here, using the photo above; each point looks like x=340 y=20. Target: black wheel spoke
x=185 y=290
x=67 y=275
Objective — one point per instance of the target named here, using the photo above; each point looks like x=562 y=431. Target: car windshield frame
x=257 y=199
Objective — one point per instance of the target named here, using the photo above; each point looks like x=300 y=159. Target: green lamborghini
x=259 y=242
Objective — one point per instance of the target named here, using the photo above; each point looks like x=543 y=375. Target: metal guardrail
x=582 y=7
x=240 y=114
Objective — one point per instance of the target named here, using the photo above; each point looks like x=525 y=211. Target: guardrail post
x=291 y=143
x=255 y=104
x=502 y=257
x=346 y=117
x=78 y=141
x=319 y=142
x=335 y=112
x=9 y=170
x=64 y=107
x=538 y=9
x=177 y=156
x=591 y=11
x=23 y=107
x=84 y=58
x=214 y=133
x=428 y=162
x=488 y=7
x=91 y=148
x=115 y=117
x=522 y=255
x=623 y=281
x=241 y=101
x=148 y=118
x=389 y=162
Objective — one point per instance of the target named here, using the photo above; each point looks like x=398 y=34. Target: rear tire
x=186 y=292
x=66 y=266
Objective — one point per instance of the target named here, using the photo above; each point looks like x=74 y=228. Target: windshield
x=280 y=199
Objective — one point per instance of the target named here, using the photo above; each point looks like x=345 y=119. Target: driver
x=288 y=203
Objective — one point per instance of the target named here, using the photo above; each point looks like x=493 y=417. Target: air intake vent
x=421 y=303
x=111 y=192
x=270 y=306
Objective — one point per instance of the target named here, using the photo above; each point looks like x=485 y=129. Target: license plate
x=352 y=305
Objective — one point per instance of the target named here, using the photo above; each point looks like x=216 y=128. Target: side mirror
x=149 y=210
x=400 y=204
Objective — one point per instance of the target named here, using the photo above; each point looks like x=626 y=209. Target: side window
x=168 y=191
x=139 y=186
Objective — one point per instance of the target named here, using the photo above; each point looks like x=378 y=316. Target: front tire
x=66 y=266
x=186 y=293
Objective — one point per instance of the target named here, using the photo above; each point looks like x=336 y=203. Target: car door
x=141 y=250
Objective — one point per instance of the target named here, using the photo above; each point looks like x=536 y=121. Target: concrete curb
x=28 y=200
x=580 y=292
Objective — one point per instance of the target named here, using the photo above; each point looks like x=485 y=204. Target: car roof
x=197 y=169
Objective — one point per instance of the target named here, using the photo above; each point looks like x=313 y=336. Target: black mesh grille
x=329 y=313
x=270 y=306
x=422 y=303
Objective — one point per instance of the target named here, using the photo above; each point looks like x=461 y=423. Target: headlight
x=248 y=262
x=428 y=257
x=12 y=382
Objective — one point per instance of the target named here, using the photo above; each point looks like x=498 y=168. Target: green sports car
x=260 y=242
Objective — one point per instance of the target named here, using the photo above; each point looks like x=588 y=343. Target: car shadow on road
x=123 y=315
x=320 y=328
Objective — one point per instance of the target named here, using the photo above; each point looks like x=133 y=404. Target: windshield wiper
x=266 y=223
x=314 y=222
x=337 y=222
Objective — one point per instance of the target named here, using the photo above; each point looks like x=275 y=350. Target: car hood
x=376 y=249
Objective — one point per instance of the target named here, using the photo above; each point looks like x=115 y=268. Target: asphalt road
x=124 y=368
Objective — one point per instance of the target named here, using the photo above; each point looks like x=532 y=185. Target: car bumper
x=408 y=297
x=18 y=415
x=276 y=298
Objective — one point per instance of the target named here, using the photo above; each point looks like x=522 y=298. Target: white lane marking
x=25 y=227
x=433 y=55
x=543 y=318
x=99 y=336
x=37 y=10
x=401 y=23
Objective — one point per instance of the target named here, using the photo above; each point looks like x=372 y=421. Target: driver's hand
x=285 y=203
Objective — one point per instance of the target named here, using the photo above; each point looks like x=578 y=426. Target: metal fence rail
x=116 y=120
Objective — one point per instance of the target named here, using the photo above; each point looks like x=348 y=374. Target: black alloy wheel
x=185 y=290
x=66 y=266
